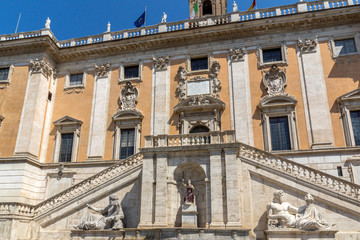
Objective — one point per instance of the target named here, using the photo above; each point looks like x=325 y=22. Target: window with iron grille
x=131 y=72
x=4 y=74
x=272 y=55
x=199 y=64
x=76 y=79
x=355 y=122
x=66 y=147
x=279 y=130
x=345 y=46
x=127 y=143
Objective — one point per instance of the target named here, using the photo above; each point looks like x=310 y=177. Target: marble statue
x=235 y=7
x=189 y=195
x=108 y=27
x=163 y=18
x=283 y=215
x=308 y=217
x=47 y=23
x=108 y=218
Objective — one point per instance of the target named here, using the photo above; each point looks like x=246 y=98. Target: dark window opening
x=279 y=130
x=345 y=46
x=76 y=79
x=207 y=7
x=127 y=143
x=199 y=129
x=199 y=64
x=66 y=147
x=272 y=55
x=131 y=72
x=4 y=74
x=339 y=170
x=49 y=96
x=355 y=122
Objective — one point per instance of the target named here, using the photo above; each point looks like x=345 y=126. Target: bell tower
x=208 y=7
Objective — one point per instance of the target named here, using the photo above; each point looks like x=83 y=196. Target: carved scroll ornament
x=128 y=97
x=161 y=63
x=275 y=81
x=237 y=54
x=181 y=88
x=307 y=46
x=213 y=75
x=102 y=70
x=41 y=66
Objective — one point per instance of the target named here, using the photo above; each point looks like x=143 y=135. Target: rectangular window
x=127 y=143
x=355 y=122
x=279 y=130
x=4 y=74
x=66 y=147
x=345 y=46
x=76 y=79
x=272 y=55
x=131 y=72
x=339 y=170
x=199 y=64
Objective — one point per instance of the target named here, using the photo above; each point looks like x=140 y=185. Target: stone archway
x=196 y=174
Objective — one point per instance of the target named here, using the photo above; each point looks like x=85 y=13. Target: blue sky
x=78 y=18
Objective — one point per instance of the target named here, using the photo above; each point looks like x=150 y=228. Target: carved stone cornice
x=274 y=81
x=161 y=63
x=102 y=71
x=41 y=66
x=307 y=46
x=237 y=54
x=128 y=97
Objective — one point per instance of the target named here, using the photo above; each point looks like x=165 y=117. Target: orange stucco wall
x=340 y=78
x=11 y=104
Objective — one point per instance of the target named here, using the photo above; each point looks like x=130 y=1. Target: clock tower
x=208 y=7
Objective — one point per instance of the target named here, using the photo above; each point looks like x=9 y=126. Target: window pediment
x=277 y=101
x=353 y=96
x=67 y=121
x=122 y=115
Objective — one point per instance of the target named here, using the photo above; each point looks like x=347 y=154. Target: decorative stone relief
x=237 y=54
x=128 y=97
x=181 y=89
x=161 y=63
x=102 y=71
x=108 y=218
x=307 y=46
x=275 y=81
x=213 y=75
x=198 y=100
x=41 y=66
x=283 y=215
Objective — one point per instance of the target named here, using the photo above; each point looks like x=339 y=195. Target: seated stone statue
x=281 y=214
x=308 y=217
x=108 y=218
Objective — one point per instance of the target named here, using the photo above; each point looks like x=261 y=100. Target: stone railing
x=193 y=23
x=17 y=209
x=214 y=137
x=300 y=171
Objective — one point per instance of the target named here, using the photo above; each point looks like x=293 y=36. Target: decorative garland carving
x=41 y=66
x=213 y=75
x=102 y=71
x=128 y=97
x=275 y=81
x=237 y=54
x=181 y=88
x=307 y=46
x=198 y=100
x=161 y=63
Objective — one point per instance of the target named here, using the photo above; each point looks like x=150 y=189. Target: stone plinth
x=293 y=234
x=189 y=215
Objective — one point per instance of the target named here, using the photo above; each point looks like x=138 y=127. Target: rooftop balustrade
x=237 y=16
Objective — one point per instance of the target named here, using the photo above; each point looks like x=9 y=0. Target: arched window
x=199 y=129
x=207 y=7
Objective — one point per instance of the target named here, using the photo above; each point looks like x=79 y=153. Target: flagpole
x=145 y=16
x=17 y=25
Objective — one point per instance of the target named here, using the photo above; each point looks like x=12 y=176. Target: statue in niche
x=275 y=81
x=283 y=215
x=189 y=195
x=181 y=89
x=108 y=218
x=128 y=97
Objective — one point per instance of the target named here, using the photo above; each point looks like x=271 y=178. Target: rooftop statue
x=235 y=7
x=47 y=23
x=107 y=218
x=164 y=17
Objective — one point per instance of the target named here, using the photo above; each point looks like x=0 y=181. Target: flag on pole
x=140 y=21
x=195 y=10
x=252 y=5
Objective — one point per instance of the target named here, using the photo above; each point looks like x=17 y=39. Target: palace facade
x=242 y=104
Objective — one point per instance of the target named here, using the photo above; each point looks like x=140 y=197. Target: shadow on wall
x=131 y=206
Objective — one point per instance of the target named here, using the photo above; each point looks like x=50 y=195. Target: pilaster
x=161 y=191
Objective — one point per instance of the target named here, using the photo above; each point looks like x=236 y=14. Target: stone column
x=216 y=192
x=161 y=105
x=34 y=109
x=232 y=168
x=240 y=100
x=147 y=185
x=161 y=191
x=315 y=95
x=98 y=119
